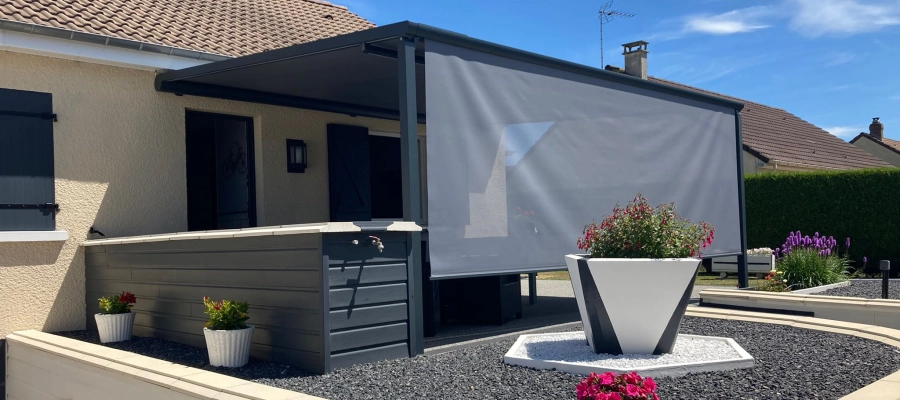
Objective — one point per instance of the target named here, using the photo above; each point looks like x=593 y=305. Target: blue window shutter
x=27 y=194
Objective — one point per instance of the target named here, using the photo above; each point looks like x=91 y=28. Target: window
x=27 y=194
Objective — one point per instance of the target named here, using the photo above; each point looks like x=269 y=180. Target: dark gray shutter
x=349 y=173
x=26 y=161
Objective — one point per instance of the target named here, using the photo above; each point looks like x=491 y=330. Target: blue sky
x=835 y=63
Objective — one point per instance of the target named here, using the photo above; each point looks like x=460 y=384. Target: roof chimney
x=636 y=59
x=876 y=129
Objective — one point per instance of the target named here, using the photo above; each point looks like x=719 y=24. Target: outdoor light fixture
x=296 y=155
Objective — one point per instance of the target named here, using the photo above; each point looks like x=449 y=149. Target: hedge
x=863 y=205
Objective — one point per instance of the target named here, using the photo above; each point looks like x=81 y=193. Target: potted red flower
x=227 y=333
x=634 y=285
x=115 y=320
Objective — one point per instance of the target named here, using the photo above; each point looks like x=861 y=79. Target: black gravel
x=791 y=363
x=869 y=289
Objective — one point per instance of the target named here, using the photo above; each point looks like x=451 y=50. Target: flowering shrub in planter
x=774 y=282
x=227 y=333
x=642 y=261
x=760 y=251
x=609 y=386
x=642 y=231
x=806 y=261
x=115 y=320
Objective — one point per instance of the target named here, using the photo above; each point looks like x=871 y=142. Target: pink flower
x=613 y=396
x=607 y=378
x=632 y=390
x=632 y=378
x=650 y=384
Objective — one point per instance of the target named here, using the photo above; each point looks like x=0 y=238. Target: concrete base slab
x=569 y=352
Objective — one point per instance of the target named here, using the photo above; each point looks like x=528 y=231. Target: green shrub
x=859 y=204
x=117 y=303
x=805 y=268
x=226 y=315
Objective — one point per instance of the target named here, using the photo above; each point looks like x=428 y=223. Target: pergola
x=381 y=73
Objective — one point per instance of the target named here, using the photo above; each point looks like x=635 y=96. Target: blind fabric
x=521 y=157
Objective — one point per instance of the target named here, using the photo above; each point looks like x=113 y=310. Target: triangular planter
x=632 y=305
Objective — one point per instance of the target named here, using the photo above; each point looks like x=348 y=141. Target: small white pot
x=228 y=348
x=114 y=327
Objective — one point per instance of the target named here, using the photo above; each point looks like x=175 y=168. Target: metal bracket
x=43 y=206
x=29 y=114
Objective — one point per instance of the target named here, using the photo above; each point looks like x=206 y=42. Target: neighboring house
x=773 y=138
x=874 y=142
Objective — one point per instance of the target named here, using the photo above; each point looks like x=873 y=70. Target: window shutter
x=27 y=198
x=349 y=173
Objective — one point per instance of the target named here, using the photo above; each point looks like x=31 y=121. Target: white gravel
x=572 y=347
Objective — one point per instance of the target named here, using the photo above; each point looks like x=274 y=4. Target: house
x=773 y=138
x=269 y=151
x=875 y=143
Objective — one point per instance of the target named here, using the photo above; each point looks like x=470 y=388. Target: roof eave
x=413 y=29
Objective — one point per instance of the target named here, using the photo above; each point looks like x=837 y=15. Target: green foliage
x=859 y=204
x=226 y=315
x=774 y=282
x=805 y=268
x=117 y=303
x=642 y=231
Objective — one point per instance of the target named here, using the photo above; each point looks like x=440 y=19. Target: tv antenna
x=607 y=16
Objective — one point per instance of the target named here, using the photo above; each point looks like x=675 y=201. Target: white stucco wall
x=878 y=150
x=120 y=166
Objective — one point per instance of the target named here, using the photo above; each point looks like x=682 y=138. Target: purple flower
x=817 y=235
x=827 y=252
x=848 y=243
x=865 y=260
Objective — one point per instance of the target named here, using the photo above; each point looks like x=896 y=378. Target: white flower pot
x=632 y=305
x=114 y=327
x=229 y=348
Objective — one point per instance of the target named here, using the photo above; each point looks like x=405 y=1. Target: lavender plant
x=806 y=261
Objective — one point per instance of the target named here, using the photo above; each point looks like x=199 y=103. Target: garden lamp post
x=885 y=267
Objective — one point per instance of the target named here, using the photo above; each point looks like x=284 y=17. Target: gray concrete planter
x=631 y=306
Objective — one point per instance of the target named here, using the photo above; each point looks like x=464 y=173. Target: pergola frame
x=408 y=38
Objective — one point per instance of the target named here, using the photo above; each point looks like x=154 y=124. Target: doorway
x=365 y=174
x=221 y=185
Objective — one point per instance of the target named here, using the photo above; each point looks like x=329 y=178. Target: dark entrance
x=220 y=171
x=363 y=175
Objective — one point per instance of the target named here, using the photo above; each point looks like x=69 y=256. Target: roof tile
x=228 y=27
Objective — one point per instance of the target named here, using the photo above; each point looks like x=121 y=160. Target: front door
x=220 y=174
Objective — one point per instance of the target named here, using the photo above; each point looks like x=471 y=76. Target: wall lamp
x=296 y=156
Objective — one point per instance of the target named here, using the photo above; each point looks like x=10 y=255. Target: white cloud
x=844 y=132
x=839 y=58
x=736 y=21
x=842 y=17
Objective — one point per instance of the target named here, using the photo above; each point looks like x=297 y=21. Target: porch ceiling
x=357 y=73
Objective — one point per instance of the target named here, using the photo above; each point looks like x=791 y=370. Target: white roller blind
x=521 y=157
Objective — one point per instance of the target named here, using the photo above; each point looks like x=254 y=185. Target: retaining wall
x=43 y=366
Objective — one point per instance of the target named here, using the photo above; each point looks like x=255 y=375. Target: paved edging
x=193 y=382
x=886 y=388
x=822 y=288
x=879 y=312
